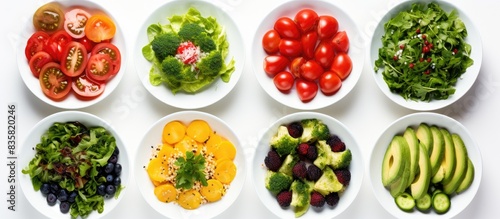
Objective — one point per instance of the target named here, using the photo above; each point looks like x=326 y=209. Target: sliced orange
x=199 y=130
x=166 y=192
x=190 y=199
x=173 y=132
x=213 y=191
x=226 y=150
x=213 y=143
x=157 y=170
x=187 y=144
x=165 y=152
x=225 y=171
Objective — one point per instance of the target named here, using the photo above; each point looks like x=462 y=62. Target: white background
x=249 y=110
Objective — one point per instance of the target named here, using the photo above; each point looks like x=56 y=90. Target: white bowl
x=152 y=137
x=356 y=167
x=458 y=202
x=356 y=53
x=463 y=84
x=213 y=92
x=33 y=84
x=35 y=198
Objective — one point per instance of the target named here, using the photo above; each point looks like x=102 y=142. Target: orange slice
x=199 y=130
x=165 y=152
x=166 y=192
x=225 y=171
x=187 y=144
x=226 y=150
x=190 y=199
x=213 y=191
x=173 y=132
x=157 y=170
x=213 y=143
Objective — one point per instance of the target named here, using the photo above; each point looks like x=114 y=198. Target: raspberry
x=273 y=161
x=312 y=153
x=335 y=143
x=300 y=170
x=313 y=172
x=343 y=175
x=302 y=149
x=295 y=129
x=332 y=199
x=317 y=199
x=284 y=198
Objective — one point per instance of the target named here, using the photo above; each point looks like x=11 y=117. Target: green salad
x=188 y=53
x=424 y=52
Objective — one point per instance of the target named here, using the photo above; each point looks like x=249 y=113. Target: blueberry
x=51 y=199
x=110 y=190
x=72 y=196
x=116 y=151
x=118 y=169
x=117 y=181
x=64 y=207
x=110 y=178
x=110 y=167
x=54 y=188
x=62 y=195
x=113 y=159
x=45 y=188
x=101 y=190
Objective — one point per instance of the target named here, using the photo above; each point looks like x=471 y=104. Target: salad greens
x=424 y=52
x=204 y=32
x=71 y=155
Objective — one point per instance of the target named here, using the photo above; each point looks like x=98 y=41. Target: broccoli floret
x=340 y=160
x=314 y=130
x=165 y=45
x=328 y=182
x=277 y=182
x=211 y=64
x=205 y=43
x=190 y=31
x=301 y=196
x=283 y=142
x=324 y=156
x=174 y=71
x=336 y=160
x=288 y=164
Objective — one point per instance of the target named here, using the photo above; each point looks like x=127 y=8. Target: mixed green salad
x=188 y=53
x=424 y=52
x=77 y=166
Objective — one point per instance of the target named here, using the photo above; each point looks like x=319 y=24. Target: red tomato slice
x=275 y=64
x=340 y=42
x=35 y=43
x=306 y=19
x=290 y=48
x=74 y=59
x=271 y=41
x=112 y=51
x=55 y=84
x=75 y=22
x=295 y=66
x=329 y=83
x=324 y=54
x=309 y=41
x=287 y=28
x=38 y=61
x=100 y=28
x=284 y=81
x=327 y=26
x=306 y=90
x=311 y=70
x=86 y=88
x=342 y=65
x=99 y=67
x=55 y=45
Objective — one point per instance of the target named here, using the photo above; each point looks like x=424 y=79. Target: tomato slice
x=99 y=28
x=112 y=51
x=75 y=22
x=306 y=90
x=37 y=62
x=55 y=84
x=74 y=59
x=284 y=81
x=271 y=41
x=87 y=89
x=274 y=64
x=35 y=43
x=329 y=83
x=342 y=65
x=49 y=18
x=340 y=42
x=55 y=45
x=99 y=67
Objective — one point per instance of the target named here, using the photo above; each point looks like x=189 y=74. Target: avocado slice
x=421 y=183
x=400 y=186
x=449 y=160
x=469 y=177
x=424 y=135
x=461 y=166
x=395 y=158
x=413 y=145
x=436 y=156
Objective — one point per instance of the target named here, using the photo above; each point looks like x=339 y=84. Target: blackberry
x=332 y=199
x=317 y=199
x=284 y=198
x=343 y=175
x=273 y=161
x=299 y=170
x=313 y=172
x=295 y=129
x=312 y=153
x=302 y=149
x=336 y=144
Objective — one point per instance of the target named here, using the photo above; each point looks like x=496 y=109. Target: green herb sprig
x=191 y=169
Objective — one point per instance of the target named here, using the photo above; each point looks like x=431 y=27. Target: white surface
x=366 y=110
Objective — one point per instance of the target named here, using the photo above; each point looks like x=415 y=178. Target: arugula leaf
x=191 y=169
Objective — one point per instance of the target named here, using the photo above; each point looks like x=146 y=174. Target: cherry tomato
x=74 y=59
x=274 y=64
x=271 y=42
x=49 y=18
x=99 y=28
x=327 y=26
x=99 y=67
x=75 y=21
x=342 y=65
x=89 y=44
x=324 y=54
x=311 y=70
x=87 y=89
x=309 y=41
x=37 y=62
x=295 y=66
x=306 y=90
x=306 y=19
x=340 y=42
x=329 y=83
x=35 y=43
x=55 y=84
x=287 y=28
x=290 y=48
x=284 y=81
x=55 y=45
x=112 y=51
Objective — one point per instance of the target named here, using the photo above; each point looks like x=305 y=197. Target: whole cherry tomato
x=324 y=54
x=271 y=42
x=295 y=66
x=311 y=70
x=287 y=28
x=306 y=19
x=290 y=48
x=329 y=83
x=274 y=64
x=340 y=42
x=284 y=81
x=306 y=90
x=327 y=26
x=309 y=41
x=342 y=65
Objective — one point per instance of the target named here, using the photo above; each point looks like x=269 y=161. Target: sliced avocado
x=449 y=160
x=394 y=161
x=424 y=135
x=400 y=186
x=438 y=176
x=436 y=156
x=469 y=177
x=288 y=164
x=461 y=165
x=420 y=185
x=412 y=140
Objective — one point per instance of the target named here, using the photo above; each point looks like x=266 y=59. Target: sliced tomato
x=275 y=64
x=55 y=84
x=75 y=21
x=87 y=89
x=311 y=70
x=284 y=81
x=290 y=48
x=37 y=62
x=306 y=19
x=295 y=66
x=35 y=43
x=99 y=67
x=306 y=90
x=287 y=28
x=271 y=41
x=324 y=54
x=112 y=51
x=49 y=18
x=327 y=26
x=329 y=83
x=55 y=45
x=100 y=27
x=340 y=42
x=309 y=41
x=74 y=59
x=342 y=65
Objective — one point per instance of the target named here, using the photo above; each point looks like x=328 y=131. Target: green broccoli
x=283 y=142
x=324 y=156
x=211 y=64
x=173 y=70
x=301 y=196
x=336 y=160
x=190 y=31
x=314 y=130
x=277 y=182
x=206 y=43
x=288 y=163
x=165 y=45
x=328 y=182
